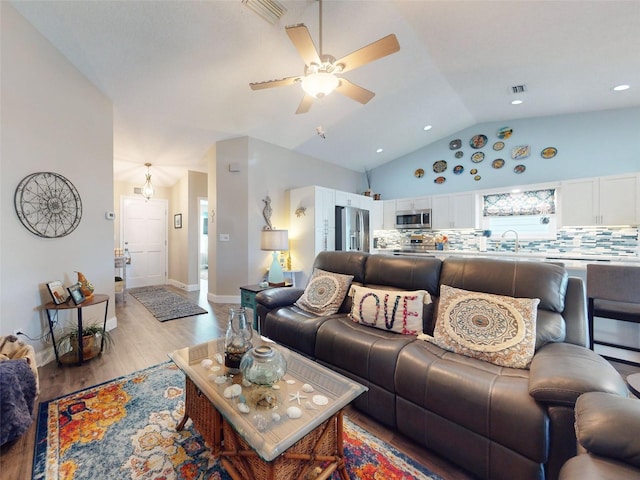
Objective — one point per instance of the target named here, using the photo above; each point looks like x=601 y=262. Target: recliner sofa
x=493 y=421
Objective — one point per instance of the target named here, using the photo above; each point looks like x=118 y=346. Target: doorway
x=144 y=233
x=203 y=243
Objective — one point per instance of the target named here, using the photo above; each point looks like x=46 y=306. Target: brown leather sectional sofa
x=495 y=422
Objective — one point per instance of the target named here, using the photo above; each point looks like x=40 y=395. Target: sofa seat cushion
x=367 y=352
x=489 y=400
x=593 y=467
x=293 y=327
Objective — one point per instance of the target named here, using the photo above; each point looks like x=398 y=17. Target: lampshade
x=147 y=188
x=320 y=84
x=273 y=240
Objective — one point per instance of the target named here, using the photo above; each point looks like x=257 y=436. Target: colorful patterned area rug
x=164 y=304
x=125 y=429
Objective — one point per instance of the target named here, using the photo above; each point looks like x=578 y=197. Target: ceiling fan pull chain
x=320 y=36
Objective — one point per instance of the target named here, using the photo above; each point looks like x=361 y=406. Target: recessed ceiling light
x=427 y=127
x=516 y=102
x=620 y=88
x=379 y=150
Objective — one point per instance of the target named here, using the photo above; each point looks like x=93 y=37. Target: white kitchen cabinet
x=388 y=214
x=376 y=215
x=613 y=200
x=346 y=199
x=416 y=203
x=454 y=211
x=311 y=226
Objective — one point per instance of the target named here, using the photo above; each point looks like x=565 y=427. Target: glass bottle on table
x=237 y=340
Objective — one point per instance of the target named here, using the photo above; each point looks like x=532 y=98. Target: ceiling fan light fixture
x=319 y=84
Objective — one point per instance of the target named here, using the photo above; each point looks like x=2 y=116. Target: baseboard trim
x=212 y=297
x=183 y=286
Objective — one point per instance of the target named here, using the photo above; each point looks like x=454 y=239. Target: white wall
x=265 y=169
x=51 y=119
x=589 y=145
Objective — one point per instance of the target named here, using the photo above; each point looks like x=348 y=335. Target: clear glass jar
x=263 y=365
x=237 y=340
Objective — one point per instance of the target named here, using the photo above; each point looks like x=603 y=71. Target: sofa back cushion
x=396 y=272
x=514 y=278
x=346 y=263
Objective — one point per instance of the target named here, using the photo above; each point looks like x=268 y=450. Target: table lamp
x=274 y=241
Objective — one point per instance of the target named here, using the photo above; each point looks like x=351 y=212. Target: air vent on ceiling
x=519 y=88
x=270 y=10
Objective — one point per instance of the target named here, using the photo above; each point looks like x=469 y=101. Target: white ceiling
x=178 y=72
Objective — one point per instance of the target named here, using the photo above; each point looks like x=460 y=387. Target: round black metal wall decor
x=48 y=204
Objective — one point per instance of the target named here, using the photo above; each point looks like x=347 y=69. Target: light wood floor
x=141 y=341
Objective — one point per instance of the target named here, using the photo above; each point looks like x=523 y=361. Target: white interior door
x=144 y=231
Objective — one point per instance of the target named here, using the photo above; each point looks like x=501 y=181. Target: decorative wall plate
x=440 y=180
x=549 y=152
x=478 y=141
x=497 y=163
x=477 y=178
x=504 y=132
x=419 y=173
x=477 y=157
x=439 y=166
x=498 y=146
x=48 y=204
x=459 y=154
x=519 y=169
x=521 y=151
x=455 y=144
x=458 y=169
x=473 y=171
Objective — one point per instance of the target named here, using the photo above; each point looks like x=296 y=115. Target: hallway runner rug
x=164 y=304
x=126 y=429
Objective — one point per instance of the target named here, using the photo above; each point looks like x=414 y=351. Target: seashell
x=243 y=407
x=219 y=358
x=275 y=417
x=320 y=399
x=220 y=379
x=307 y=388
x=291 y=382
x=232 y=391
x=309 y=406
x=215 y=368
x=294 y=412
x=260 y=422
x=206 y=363
x=276 y=387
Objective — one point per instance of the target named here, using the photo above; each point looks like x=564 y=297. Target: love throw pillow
x=390 y=310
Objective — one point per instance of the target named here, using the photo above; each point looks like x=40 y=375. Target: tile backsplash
x=614 y=241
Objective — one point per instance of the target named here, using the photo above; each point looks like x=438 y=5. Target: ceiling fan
x=319 y=78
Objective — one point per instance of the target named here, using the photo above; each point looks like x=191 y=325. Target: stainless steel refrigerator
x=352 y=229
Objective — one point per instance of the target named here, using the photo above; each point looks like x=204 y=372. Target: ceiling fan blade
x=305 y=104
x=378 y=49
x=354 y=91
x=301 y=39
x=274 y=83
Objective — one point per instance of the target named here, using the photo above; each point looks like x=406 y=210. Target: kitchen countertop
x=570 y=260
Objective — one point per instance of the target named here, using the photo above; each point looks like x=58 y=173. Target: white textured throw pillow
x=391 y=310
x=325 y=292
x=494 y=328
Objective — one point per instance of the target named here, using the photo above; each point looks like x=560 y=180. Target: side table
x=248 y=300
x=50 y=307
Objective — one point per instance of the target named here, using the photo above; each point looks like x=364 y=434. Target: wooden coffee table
x=257 y=445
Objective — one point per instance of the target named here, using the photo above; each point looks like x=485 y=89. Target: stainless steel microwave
x=413 y=218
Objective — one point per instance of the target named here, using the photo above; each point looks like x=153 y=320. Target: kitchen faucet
x=517 y=247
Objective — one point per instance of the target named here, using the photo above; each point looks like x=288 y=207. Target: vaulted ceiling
x=178 y=72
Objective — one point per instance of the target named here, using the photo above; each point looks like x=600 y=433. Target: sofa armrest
x=609 y=426
x=561 y=372
x=278 y=297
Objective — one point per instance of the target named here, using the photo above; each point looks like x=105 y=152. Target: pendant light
x=147 y=188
